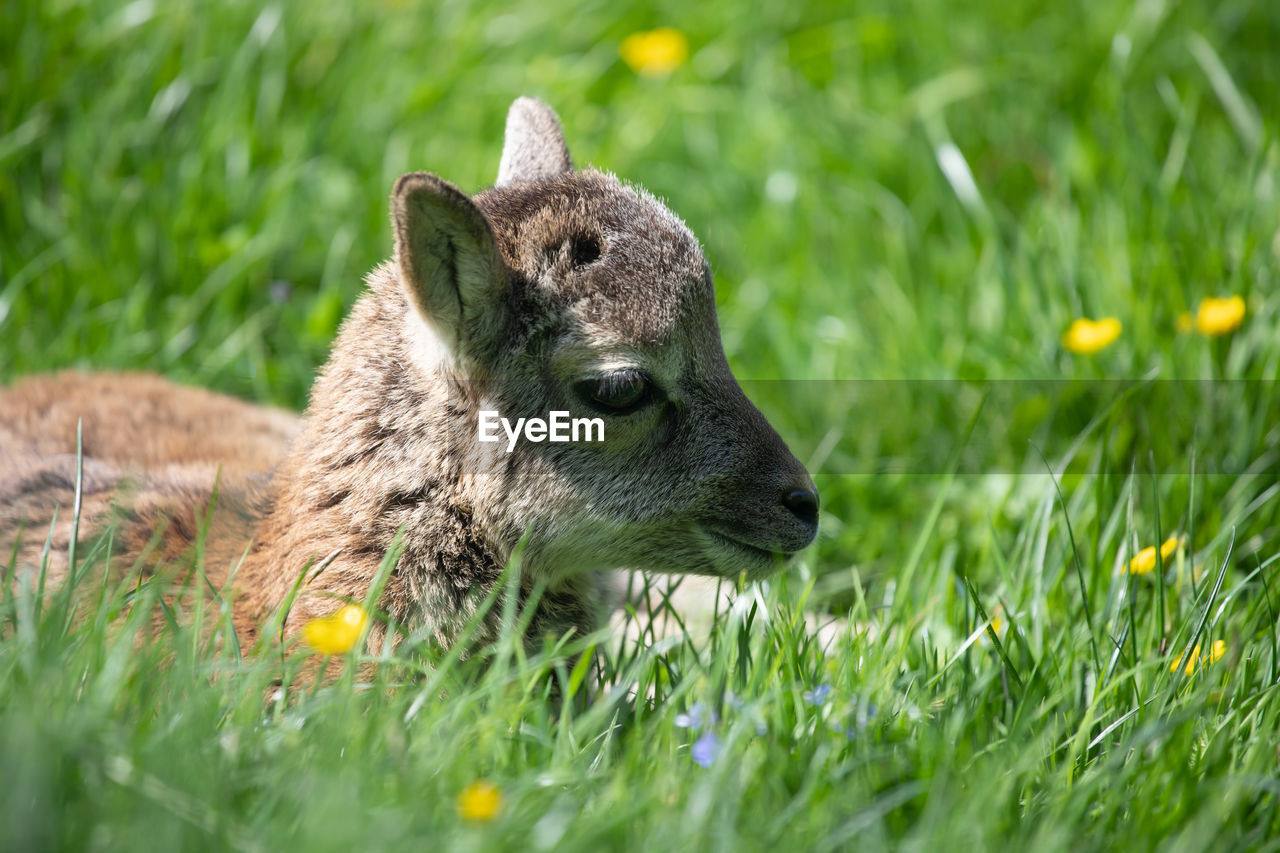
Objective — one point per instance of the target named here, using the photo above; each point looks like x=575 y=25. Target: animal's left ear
x=534 y=146
x=449 y=262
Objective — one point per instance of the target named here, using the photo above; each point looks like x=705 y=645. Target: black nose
x=803 y=504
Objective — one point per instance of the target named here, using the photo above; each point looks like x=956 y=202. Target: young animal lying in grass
x=556 y=290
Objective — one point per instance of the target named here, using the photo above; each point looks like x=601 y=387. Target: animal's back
x=153 y=453
x=142 y=421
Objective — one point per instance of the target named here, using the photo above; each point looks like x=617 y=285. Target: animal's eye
x=584 y=249
x=618 y=393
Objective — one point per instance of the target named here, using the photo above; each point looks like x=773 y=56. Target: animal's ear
x=448 y=261
x=534 y=145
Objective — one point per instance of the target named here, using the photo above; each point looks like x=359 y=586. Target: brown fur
x=514 y=300
x=153 y=453
x=140 y=420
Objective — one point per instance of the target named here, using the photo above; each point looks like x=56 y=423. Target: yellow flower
x=337 y=633
x=1145 y=560
x=655 y=53
x=479 y=801
x=1217 y=650
x=1185 y=323
x=996 y=624
x=1219 y=316
x=1085 y=336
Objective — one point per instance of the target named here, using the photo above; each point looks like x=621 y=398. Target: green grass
x=197 y=190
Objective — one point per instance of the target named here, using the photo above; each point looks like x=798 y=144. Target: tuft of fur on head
x=534 y=146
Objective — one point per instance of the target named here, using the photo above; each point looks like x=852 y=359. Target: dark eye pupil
x=618 y=393
x=584 y=250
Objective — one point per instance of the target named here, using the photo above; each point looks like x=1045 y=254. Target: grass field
x=905 y=205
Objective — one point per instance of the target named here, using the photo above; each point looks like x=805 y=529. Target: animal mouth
x=755 y=552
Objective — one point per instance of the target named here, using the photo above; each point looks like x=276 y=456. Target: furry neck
x=389 y=449
x=377 y=456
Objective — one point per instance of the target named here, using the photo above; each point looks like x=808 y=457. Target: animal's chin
x=695 y=550
x=736 y=555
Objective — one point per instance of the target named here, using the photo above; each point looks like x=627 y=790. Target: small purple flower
x=280 y=290
x=706 y=749
x=817 y=697
x=735 y=702
x=698 y=714
x=856 y=721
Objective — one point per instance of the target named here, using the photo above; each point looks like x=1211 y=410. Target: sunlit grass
x=968 y=658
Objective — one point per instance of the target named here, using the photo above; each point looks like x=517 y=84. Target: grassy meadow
x=906 y=206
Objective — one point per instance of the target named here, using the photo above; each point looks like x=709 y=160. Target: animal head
x=570 y=290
